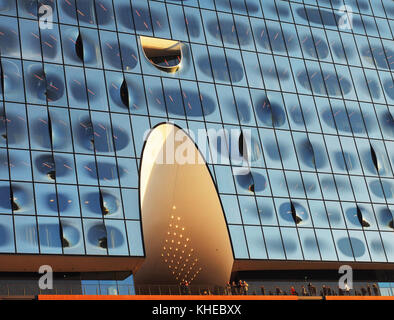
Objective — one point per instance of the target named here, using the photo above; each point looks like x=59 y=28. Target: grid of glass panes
x=386 y=288
x=330 y=92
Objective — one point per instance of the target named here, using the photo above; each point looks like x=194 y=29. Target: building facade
x=295 y=98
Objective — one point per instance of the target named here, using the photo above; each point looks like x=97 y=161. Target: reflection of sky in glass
x=315 y=135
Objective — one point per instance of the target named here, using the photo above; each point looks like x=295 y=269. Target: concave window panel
x=218 y=143
x=251 y=147
x=359 y=246
x=46 y=199
x=67 y=200
x=12 y=81
x=30 y=40
x=225 y=181
x=20 y=164
x=329 y=189
x=40 y=128
x=287 y=152
x=17 y=135
x=370 y=121
x=126 y=93
x=380 y=190
x=86 y=169
x=60 y=134
x=292 y=244
x=311 y=185
x=90 y=202
x=249 y=210
x=334 y=213
x=261 y=185
x=49 y=235
x=95 y=85
x=9 y=42
x=326 y=245
x=5 y=197
x=3 y=127
x=107 y=171
x=235 y=67
x=44 y=84
x=26 y=234
x=110 y=203
x=344 y=188
x=135 y=238
x=343 y=245
x=81 y=46
x=266 y=210
x=239 y=242
x=244 y=180
x=359 y=188
x=161 y=26
x=278 y=183
x=128 y=172
x=4 y=165
x=292 y=213
x=231 y=209
x=366 y=217
x=50 y=43
x=344 y=155
x=318 y=214
x=385 y=217
x=77 y=91
x=95 y=237
x=375 y=246
x=385 y=118
x=165 y=55
x=388 y=244
x=7 y=243
x=294 y=111
x=380 y=159
x=116 y=235
x=72 y=236
x=309 y=244
x=254 y=237
x=274 y=243
x=22 y=199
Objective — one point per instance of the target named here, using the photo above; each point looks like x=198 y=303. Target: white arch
x=181 y=199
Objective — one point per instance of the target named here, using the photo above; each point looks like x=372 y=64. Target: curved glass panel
x=72 y=236
x=49 y=235
x=96 y=237
x=290 y=104
x=6 y=234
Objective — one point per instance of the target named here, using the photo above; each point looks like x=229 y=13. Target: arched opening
x=185 y=233
x=165 y=55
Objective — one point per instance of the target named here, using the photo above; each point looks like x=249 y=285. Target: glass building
x=296 y=99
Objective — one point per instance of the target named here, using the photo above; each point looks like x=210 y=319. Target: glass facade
x=311 y=84
x=386 y=288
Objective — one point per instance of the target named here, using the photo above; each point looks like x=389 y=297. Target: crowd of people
x=241 y=287
x=185 y=287
x=237 y=288
x=311 y=290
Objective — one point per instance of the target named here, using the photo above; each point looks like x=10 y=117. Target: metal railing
x=23 y=289
x=32 y=289
x=179 y=290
